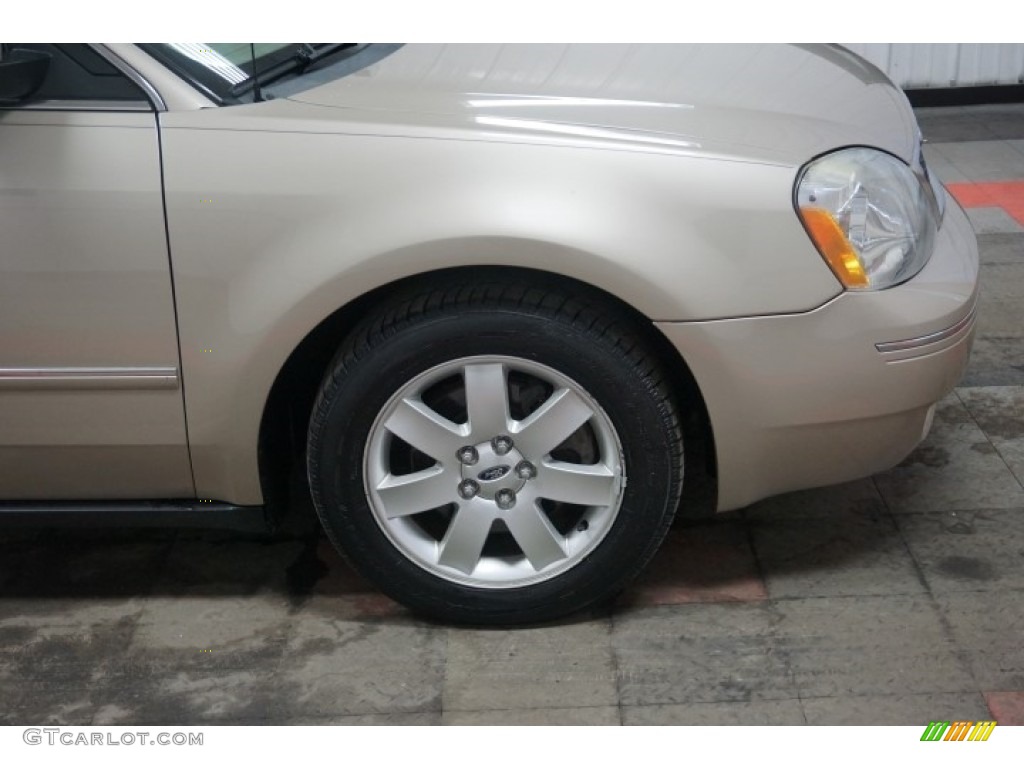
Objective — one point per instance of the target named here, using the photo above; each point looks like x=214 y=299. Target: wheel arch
x=287 y=408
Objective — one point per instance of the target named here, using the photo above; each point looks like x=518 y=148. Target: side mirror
x=21 y=74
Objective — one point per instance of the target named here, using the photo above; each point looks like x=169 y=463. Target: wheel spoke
x=538 y=539
x=425 y=429
x=404 y=495
x=486 y=400
x=547 y=427
x=589 y=485
x=464 y=540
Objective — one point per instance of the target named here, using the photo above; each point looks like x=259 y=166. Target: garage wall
x=941 y=65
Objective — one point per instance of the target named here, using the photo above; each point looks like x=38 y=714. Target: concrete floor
x=894 y=600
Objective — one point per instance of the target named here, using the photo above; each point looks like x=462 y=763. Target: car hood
x=771 y=103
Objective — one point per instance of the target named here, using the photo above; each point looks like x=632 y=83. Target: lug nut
x=525 y=470
x=468 y=489
x=467 y=455
x=505 y=498
x=502 y=444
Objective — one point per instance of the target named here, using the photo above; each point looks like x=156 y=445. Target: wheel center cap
x=493 y=472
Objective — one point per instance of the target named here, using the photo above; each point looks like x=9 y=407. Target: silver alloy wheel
x=494 y=481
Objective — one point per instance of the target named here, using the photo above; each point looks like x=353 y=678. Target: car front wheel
x=495 y=453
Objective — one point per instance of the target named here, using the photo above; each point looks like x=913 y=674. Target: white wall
x=941 y=65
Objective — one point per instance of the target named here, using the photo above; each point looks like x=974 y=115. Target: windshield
x=235 y=73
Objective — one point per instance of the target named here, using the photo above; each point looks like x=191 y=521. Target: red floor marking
x=703 y=564
x=1008 y=195
x=1007 y=707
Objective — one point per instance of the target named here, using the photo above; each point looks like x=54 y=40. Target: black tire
x=571 y=332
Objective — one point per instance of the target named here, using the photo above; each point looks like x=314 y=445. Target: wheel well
x=285 y=420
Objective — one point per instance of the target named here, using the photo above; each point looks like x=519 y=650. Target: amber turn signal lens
x=834 y=246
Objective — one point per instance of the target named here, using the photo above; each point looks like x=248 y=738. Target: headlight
x=869 y=215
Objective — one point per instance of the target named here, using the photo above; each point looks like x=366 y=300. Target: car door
x=91 y=400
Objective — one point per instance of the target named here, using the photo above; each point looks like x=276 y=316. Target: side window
x=79 y=73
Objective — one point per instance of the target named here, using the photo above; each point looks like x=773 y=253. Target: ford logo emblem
x=494 y=473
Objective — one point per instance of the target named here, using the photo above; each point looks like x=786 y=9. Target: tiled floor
x=893 y=600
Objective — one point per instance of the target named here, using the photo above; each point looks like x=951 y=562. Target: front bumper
x=840 y=392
